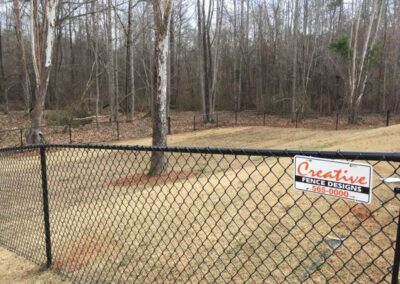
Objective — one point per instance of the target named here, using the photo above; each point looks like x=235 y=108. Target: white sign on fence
x=340 y=179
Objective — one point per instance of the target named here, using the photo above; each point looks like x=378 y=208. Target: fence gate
x=93 y=214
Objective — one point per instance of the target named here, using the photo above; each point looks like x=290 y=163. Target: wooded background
x=269 y=55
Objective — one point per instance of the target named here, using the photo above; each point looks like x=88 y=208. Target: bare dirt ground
x=159 y=231
x=17 y=270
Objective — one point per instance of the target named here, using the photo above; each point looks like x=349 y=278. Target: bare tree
x=294 y=70
x=209 y=64
x=130 y=66
x=95 y=48
x=3 y=86
x=162 y=13
x=110 y=63
x=203 y=59
x=359 y=68
x=24 y=74
x=43 y=23
x=254 y=54
x=216 y=60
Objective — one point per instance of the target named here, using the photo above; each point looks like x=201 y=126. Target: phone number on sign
x=330 y=191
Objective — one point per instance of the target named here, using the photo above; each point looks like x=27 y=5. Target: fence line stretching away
x=92 y=214
x=118 y=130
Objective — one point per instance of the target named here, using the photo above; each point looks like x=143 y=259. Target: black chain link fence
x=105 y=131
x=217 y=216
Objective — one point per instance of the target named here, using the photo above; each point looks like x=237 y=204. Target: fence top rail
x=346 y=155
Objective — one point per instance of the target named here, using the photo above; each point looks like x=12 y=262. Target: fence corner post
x=194 y=123
x=46 y=214
x=169 y=124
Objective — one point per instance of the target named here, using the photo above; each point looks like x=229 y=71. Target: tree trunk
x=162 y=13
x=95 y=44
x=217 y=55
x=72 y=53
x=3 y=87
x=116 y=67
x=294 y=71
x=130 y=68
x=110 y=64
x=25 y=80
x=42 y=41
x=203 y=60
x=171 y=63
x=360 y=68
x=57 y=63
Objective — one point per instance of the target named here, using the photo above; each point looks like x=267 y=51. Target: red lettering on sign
x=338 y=175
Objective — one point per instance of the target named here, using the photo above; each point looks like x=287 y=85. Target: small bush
x=59 y=117
x=67 y=116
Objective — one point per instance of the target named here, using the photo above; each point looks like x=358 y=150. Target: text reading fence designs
x=219 y=215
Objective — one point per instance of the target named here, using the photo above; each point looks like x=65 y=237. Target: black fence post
x=217 y=119
x=194 y=123
x=337 y=121
x=296 y=118
x=70 y=133
x=388 y=118
x=117 y=130
x=46 y=214
x=20 y=137
x=396 y=261
x=169 y=124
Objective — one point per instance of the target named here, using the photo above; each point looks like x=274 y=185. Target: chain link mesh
x=215 y=217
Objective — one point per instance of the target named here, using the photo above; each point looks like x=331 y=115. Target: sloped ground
x=378 y=139
x=383 y=139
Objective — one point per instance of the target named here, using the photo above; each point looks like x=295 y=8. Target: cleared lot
x=219 y=218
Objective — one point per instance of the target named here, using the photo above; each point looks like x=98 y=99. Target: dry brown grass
x=379 y=139
x=227 y=217
x=233 y=214
x=145 y=179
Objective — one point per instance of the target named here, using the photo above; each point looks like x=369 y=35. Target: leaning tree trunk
x=159 y=163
